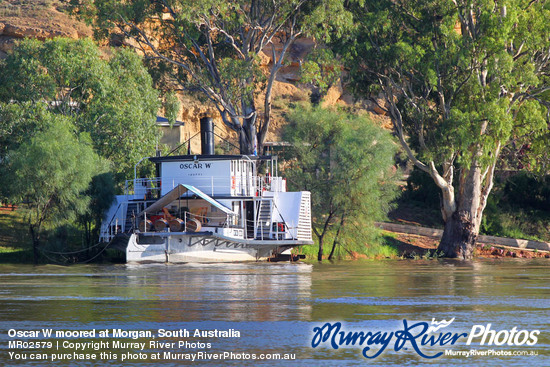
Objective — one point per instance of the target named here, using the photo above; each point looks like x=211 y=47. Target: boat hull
x=201 y=247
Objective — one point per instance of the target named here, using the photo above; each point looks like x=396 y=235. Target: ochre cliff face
x=39 y=19
x=44 y=19
x=286 y=89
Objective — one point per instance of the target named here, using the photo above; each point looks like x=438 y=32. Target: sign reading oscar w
x=211 y=177
x=419 y=336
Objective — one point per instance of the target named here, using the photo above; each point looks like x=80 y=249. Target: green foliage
x=421 y=188
x=483 y=78
x=113 y=100
x=528 y=191
x=519 y=208
x=321 y=69
x=18 y=123
x=10 y=255
x=504 y=220
x=50 y=172
x=214 y=48
x=102 y=193
x=346 y=162
x=462 y=81
x=171 y=106
x=13 y=229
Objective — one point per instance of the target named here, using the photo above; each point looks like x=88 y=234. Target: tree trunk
x=462 y=225
x=335 y=242
x=245 y=146
x=35 y=236
x=459 y=236
x=320 y=253
x=247 y=134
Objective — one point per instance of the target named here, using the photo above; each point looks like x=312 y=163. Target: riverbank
x=15 y=245
x=416 y=246
x=15 y=242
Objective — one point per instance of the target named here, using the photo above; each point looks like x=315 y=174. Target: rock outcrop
x=41 y=20
x=46 y=19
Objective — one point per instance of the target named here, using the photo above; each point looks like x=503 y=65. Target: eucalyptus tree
x=111 y=98
x=346 y=161
x=462 y=80
x=215 y=47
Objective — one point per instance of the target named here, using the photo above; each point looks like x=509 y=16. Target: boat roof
x=213 y=157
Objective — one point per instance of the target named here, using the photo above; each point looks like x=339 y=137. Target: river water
x=274 y=308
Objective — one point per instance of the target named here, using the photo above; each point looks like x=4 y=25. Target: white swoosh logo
x=439 y=325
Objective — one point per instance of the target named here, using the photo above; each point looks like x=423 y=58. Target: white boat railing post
x=270 y=221
x=256 y=219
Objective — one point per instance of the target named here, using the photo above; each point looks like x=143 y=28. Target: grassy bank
x=61 y=245
x=15 y=242
x=378 y=245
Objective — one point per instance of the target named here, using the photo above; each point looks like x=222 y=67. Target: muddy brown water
x=275 y=308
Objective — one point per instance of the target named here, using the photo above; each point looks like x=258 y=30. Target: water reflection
x=192 y=292
x=276 y=306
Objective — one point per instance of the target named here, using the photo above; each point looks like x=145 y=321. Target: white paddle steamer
x=209 y=208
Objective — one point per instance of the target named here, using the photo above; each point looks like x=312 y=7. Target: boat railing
x=276 y=231
x=184 y=222
x=143 y=188
x=206 y=221
x=193 y=222
x=123 y=219
x=108 y=230
x=148 y=188
x=269 y=223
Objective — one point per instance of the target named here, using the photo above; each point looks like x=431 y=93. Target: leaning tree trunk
x=320 y=252
x=335 y=242
x=247 y=134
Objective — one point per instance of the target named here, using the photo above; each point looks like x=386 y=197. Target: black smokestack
x=207 y=135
